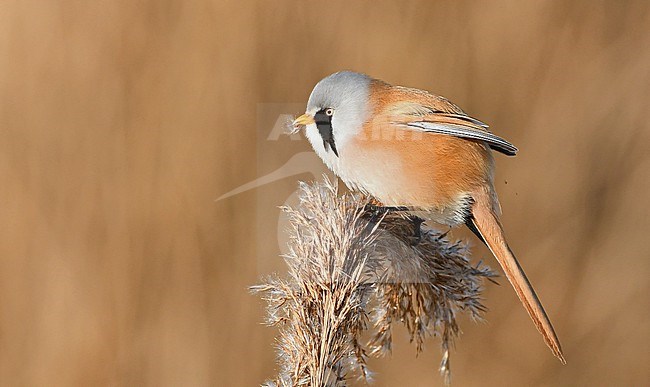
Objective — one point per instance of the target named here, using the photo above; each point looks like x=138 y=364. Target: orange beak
x=304 y=119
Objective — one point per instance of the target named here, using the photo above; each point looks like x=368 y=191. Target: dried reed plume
x=351 y=275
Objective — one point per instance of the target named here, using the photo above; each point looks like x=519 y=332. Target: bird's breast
x=428 y=172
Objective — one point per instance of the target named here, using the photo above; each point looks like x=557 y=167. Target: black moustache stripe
x=324 y=125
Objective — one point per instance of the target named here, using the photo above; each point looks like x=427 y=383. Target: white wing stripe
x=463 y=132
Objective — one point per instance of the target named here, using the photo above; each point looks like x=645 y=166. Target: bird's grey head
x=342 y=90
x=339 y=106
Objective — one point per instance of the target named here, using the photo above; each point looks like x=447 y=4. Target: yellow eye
x=329 y=112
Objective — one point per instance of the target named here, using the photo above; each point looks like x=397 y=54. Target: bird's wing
x=462 y=130
x=439 y=115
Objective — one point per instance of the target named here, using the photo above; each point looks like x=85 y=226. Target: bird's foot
x=380 y=210
x=377 y=212
x=417 y=229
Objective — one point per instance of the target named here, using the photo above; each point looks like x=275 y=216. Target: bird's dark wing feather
x=436 y=114
x=463 y=131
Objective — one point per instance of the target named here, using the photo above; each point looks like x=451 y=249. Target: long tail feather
x=490 y=229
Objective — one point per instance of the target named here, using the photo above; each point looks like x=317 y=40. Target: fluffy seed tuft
x=352 y=274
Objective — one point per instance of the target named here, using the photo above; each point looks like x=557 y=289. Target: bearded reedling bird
x=411 y=149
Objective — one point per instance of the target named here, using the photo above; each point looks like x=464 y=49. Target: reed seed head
x=352 y=274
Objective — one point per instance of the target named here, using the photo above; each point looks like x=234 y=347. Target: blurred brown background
x=121 y=122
